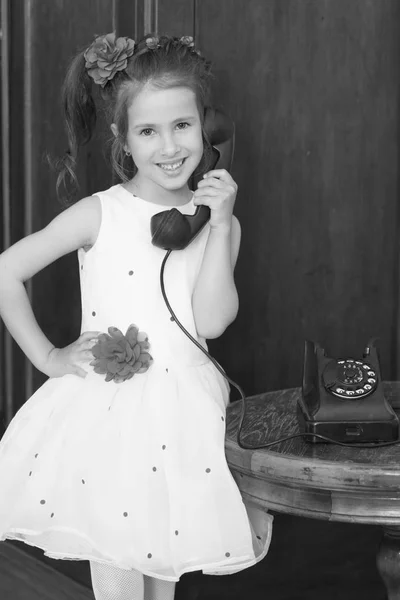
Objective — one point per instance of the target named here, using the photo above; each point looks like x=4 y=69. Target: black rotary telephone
x=170 y=229
x=344 y=399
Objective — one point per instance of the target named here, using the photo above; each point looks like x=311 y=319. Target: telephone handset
x=170 y=229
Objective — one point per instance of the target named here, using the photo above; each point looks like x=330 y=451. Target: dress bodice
x=120 y=277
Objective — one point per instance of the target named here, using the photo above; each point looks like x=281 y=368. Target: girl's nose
x=169 y=146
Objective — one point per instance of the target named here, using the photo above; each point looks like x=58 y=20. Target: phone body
x=170 y=229
x=343 y=399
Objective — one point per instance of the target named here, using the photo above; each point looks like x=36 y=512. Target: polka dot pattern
x=125 y=513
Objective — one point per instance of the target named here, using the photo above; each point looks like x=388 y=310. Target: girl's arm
x=215 y=299
x=72 y=229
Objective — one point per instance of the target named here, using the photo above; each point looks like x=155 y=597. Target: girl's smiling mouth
x=171 y=167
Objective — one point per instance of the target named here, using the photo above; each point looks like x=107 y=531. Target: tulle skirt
x=131 y=474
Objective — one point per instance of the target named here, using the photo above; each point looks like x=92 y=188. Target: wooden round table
x=319 y=481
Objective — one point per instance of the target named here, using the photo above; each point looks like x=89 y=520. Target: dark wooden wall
x=313 y=87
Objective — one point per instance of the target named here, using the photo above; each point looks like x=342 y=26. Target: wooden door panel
x=176 y=18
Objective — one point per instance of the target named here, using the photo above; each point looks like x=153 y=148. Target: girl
x=119 y=457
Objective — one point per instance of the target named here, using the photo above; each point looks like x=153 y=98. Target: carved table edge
x=296 y=510
x=355 y=489
x=315 y=472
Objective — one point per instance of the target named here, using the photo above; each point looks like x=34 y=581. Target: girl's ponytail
x=80 y=119
x=106 y=57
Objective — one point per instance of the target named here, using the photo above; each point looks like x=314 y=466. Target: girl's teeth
x=171 y=167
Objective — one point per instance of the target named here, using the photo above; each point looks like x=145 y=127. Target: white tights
x=111 y=583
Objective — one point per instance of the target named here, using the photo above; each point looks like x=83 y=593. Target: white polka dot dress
x=132 y=474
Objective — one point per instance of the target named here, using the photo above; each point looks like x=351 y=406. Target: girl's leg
x=158 y=589
x=111 y=583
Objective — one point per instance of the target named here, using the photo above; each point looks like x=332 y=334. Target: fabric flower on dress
x=120 y=356
x=107 y=55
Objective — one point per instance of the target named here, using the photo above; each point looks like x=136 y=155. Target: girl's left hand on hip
x=217 y=190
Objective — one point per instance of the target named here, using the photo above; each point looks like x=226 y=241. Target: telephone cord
x=243 y=398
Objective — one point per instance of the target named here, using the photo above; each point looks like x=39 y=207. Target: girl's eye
x=182 y=125
x=146 y=132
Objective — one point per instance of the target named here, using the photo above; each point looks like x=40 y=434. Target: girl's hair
x=169 y=62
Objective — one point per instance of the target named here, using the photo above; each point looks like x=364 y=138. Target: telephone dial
x=344 y=399
x=170 y=229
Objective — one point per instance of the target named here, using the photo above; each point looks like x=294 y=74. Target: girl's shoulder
x=78 y=225
x=100 y=208
x=89 y=213
x=74 y=228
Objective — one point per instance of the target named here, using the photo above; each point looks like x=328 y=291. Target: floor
x=308 y=560
x=24 y=577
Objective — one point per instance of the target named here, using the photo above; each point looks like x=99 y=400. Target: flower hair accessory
x=187 y=40
x=120 y=356
x=152 y=43
x=106 y=56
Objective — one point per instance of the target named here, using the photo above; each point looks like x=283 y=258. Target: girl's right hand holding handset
x=69 y=360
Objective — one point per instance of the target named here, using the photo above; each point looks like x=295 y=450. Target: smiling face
x=165 y=140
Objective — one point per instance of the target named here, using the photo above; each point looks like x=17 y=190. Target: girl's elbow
x=211 y=331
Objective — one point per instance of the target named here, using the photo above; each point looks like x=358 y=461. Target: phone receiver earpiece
x=170 y=229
